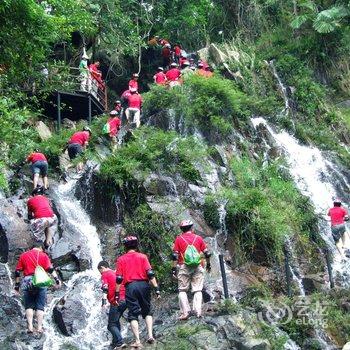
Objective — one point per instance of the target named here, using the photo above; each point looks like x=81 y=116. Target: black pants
x=74 y=149
x=138 y=299
x=115 y=313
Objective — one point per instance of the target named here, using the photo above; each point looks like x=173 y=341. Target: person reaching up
x=187 y=257
x=112 y=127
x=338 y=215
x=160 y=78
x=116 y=310
x=77 y=144
x=39 y=166
x=134 y=108
x=133 y=83
x=134 y=270
x=43 y=220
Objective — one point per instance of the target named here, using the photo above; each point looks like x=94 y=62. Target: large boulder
x=43 y=130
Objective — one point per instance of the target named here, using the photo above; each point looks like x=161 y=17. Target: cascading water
x=86 y=283
x=314 y=177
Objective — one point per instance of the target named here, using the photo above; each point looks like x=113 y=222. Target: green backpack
x=40 y=278
x=192 y=258
x=105 y=129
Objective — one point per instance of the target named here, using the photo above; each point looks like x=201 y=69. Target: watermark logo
x=301 y=313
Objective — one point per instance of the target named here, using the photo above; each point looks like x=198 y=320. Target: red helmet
x=130 y=241
x=186 y=223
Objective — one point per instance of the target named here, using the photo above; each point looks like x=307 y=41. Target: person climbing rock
x=134 y=108
x=204 y=64
x=39 y=166
x=186 y=70
x=77 y=144
x=188 y=268
x=85 y=84
x=112 y=127
x=160 y=77
x=43 y=220
x=133 y=83
x=34 y=297
x=177 y=53
x=338 y=215
x=201 y=71
x=166 y=54
x=134 y=270
x=173 y=75
x=182 y=59
x=108 y=279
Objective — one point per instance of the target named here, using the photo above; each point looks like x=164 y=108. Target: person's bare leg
x=39 y=319
x=134 y=324
x=29 y=316
x=46 y=182
x=48 y=236
x=149 y=326
x=35 y=180
x=184 y=305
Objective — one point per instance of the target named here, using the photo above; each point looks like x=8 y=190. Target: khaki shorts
x=190 y=276
x=38 y=226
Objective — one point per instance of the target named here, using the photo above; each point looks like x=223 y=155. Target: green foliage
x=210 y=211
x=229 y=307
x=277 y=341
x=188 y=330
x=3 y=180
x=154 y=150
x=255 y=293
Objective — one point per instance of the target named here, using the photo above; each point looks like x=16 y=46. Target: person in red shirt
x=77 y=144
x=189 y=276
x=133 y=83
x=108 y=279
x=164 y=42
x=177 y=53
x=96 y=78
x=173 y=75
x=113 y=126
x=134 y=108
x=43 y=221
x=39 y=166
x=34 y=297
x=160 y=78
x=338 y=215
x=182 y=60
x=134 y=270
x=166 y=54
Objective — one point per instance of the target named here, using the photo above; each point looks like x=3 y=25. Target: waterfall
x=87 y=283
x=315 y=177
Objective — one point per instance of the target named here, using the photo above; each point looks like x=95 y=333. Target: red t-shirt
x=177 y=50
x=29 y=260
x=182 y=60
x=40 y=207
x=133 y=266
x=181 y=243
x=159 y=78
x=135 y=101
x=173 y=74
x=108 y=281
x=133 y=84
x=35 y=157
x=95 y=72
x=114 y=126
x=337 y=215
x=163 y=42
x=166 y=52
x=80 y=137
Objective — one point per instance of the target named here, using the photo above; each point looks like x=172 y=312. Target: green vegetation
x=276 y=341
x=154 y=150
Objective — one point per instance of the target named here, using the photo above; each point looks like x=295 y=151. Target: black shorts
x=138 y=299
x=338 y=232
x=40 y=167
x=74 y=149
x=34 y=298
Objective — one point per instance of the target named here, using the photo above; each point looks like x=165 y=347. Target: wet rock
x=313 y=283
x=208 y=340
x=160 y=185
x=63 y=161
x=70 y=314
x=254 y=344
x=43 y=130
x=69 y=124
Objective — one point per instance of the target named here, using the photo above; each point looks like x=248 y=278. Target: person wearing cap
x=84 y=73
x=133 y=83
x=173 y=75
x=186 y=70
x=338 y=215
x=39 y=166
x=77 y=144
x=134 y=108
x=116 y=310
x=43 y=221
x=166 y=54
x=34 y=297
x=201 y=71
x=118 y=107
x=112 y=127
x=189 y=275
x=160 y=78
x=182 y=59
x=135 y=272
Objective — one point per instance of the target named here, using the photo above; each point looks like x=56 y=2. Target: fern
x=328 y=20
x=298 y=21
